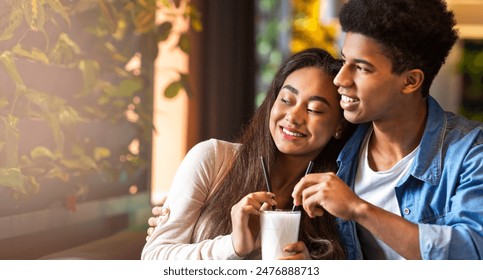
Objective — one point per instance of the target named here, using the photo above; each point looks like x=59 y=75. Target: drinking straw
x=267 y=180
x=307 y=171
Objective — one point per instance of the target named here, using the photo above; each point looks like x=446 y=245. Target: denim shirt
x=443 y=191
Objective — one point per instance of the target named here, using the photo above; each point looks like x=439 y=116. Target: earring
x=337 y=135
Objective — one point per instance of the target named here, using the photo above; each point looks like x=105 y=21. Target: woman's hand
x=157 y=211
x=298 y=251
x=245 y=228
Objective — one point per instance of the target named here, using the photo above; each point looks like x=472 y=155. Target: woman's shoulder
x=212 y=159
x=216 y=146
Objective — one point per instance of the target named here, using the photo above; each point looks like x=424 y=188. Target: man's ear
x=414 y=81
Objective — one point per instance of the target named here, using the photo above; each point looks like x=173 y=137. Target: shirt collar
x=428 y=162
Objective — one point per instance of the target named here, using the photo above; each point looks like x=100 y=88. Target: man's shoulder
x=462 y=130
x=462 y=124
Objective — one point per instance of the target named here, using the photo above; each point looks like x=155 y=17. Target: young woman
x=299 y=121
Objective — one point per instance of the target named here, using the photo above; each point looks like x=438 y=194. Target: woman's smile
x=291 y=134
x=306 y=113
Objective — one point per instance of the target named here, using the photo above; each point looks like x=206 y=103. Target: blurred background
x=101 y=99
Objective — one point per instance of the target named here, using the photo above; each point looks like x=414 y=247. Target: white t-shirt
x=378 y=188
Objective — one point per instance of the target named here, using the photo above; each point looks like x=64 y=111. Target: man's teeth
x=295 y=134
x=346 y=98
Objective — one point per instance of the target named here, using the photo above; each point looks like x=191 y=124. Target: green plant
x=308 y=31
x=471 y=67
x=270 y=52
x=105 y=51
x=305 y=31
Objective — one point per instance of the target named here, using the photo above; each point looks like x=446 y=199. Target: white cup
x=278 y=229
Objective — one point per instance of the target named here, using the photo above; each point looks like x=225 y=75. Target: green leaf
x=34 y=183
x=7 y=62
x=128 y=87
x=103 y=100
x=144 y=20
x=72 y=164
x=13 y=23
x=65 y=51
x=57 y=132
x=184 y=43
x=12 y=178
x=59 y=8
x=68 y=116
x=173 y=89
x=42 y=152
x=34 y=13
x=78 y=150
x=197 y=25
x=43 y=100
x=3 y=102
x=101 y=153
x=478 y=62
x=57 y=172
x=12 y=121
x=195 y=18
x=90 y=75
x=109 y=15
x=88 y=162
x=8 y=127
x=82 y=163
x=35 y=54
x=164 y=30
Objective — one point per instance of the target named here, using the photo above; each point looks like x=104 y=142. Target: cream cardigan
x=175 y=238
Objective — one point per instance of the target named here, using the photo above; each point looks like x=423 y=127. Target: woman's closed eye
x=314 y=111
x=284 y=101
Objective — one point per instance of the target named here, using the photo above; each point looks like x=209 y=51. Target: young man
x=410 y=181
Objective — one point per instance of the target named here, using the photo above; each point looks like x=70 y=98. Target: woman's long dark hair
x=320 y=234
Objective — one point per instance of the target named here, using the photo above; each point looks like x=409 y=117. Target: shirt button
x=407 y=211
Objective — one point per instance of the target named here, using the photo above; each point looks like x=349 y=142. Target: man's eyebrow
x=358 y=60
x=312 y=98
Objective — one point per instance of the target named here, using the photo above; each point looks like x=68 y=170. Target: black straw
x=265 y=173
x=267 y=180
x=307 y=171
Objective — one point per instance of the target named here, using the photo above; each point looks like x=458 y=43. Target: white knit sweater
x=177 y=235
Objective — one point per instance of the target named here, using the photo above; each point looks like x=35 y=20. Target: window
x=75 y=102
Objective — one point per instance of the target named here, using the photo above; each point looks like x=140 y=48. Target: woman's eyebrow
x=291 y=89
x=319 y=98
x=312 y=98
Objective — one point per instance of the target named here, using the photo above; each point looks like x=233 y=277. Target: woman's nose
x=295 y=116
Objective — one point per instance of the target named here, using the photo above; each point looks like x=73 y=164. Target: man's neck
x=392 y=140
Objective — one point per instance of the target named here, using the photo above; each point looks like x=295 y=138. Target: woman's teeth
x=294 y=134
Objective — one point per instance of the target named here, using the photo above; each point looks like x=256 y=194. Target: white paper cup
x=278 y=229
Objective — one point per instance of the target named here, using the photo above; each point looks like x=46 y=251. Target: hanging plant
x=76 y=90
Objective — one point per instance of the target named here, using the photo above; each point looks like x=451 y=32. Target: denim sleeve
x=459 y=235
